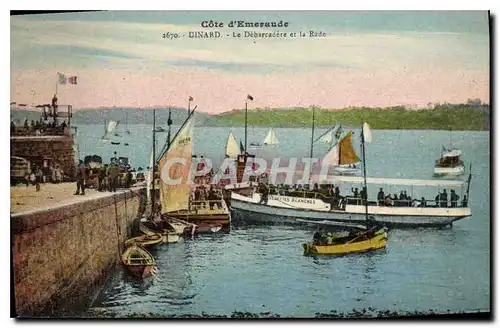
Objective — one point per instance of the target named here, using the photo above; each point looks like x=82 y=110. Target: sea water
x=262 y=268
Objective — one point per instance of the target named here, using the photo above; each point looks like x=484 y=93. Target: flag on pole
x=367 y=134
x=249 y=97
x=191 y=98
x=62 y=78
x=72 y=80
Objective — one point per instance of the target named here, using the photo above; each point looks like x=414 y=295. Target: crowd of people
x=331 y=194
x=203 y=196
x=38 y=127
x=38 y=175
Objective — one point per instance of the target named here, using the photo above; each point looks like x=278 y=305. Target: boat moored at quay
x=318 y=207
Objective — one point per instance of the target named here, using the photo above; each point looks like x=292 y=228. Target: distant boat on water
x=109 y=127
x=271 y=138
x=449 y=163
x=343 y=157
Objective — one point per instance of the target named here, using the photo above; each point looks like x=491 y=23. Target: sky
x=370 y=58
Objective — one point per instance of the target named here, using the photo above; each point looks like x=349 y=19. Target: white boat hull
x=458 y=170
x=346 y=170
x=286 y=209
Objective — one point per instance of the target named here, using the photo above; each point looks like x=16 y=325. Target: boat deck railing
x=208 y=205
x=351 y=200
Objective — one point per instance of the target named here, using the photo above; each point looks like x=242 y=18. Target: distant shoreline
x=443 y=117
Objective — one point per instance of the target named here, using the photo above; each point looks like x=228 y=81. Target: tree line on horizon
x=473 y=115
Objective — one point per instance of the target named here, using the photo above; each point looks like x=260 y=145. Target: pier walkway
x=26 y=199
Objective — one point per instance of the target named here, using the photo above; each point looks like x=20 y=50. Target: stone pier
x=64 y=245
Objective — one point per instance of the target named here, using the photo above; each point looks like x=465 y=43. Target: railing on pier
x=40 y=131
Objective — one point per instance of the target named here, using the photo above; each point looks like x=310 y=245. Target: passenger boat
x=145 y=240
x=360 y=242
x=449 y=163
x=138 y=261
x=315 y=206
x=175 y=198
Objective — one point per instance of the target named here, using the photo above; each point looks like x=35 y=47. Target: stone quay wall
x=61 y=256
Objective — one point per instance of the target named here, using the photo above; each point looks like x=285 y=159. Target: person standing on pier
x=81 y=172
x=113 y=172
x=38 y=177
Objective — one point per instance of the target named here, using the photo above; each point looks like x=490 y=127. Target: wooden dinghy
x=360 y=242
x=180 y=226
x=139 y=262
x=150 y=228
x=145 y=240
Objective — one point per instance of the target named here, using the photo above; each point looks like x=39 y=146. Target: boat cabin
x=450 y=159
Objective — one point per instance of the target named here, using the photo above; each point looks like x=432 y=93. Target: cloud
x=362 y=61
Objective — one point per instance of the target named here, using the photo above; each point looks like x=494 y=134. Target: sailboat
x=271 y=138
x=232 y=148
x=343 y=157
x=109 y=127
x=175 y=188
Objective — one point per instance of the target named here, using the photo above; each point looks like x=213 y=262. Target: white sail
x=271 y=138
x=109 y=129
x=327 y=138
x=111 y=126
x=149 y=177
x=367 y=133
x=174 y=168
x=332 y=157
x=232 y=149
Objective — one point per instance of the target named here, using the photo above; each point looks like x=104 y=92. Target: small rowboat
x=170 y=237
x=360 y=243
x=150 y=228
x=145 y=240
x=139 y=262
x=180 y=226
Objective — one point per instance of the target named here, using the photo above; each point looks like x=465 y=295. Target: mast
x=169 y=123
x=468 y=180
x=340 y=149
x=153 y=194
x=364 y=172
x=312 y=134
x=246 y=125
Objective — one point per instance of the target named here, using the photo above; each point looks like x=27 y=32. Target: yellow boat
x=349 y=244
x=138 y=261
x=145 y=240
